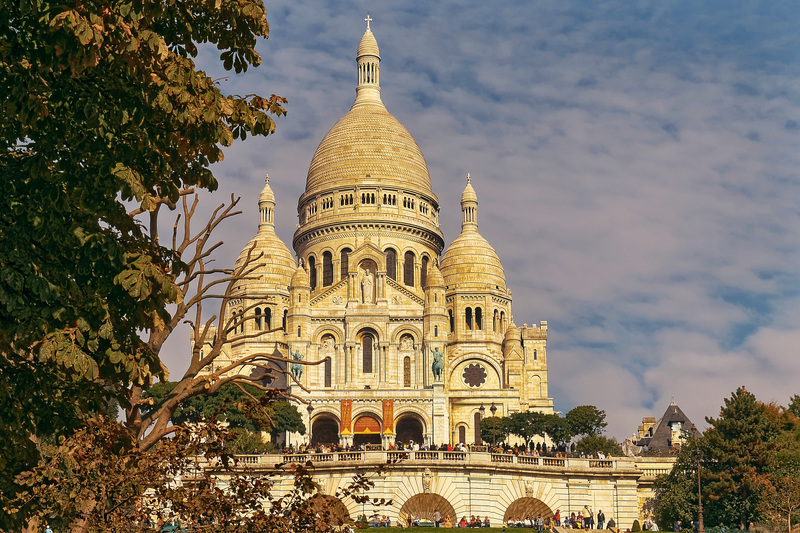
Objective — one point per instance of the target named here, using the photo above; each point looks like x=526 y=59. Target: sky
x=636 y=165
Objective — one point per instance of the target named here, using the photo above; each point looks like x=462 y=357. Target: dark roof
x=661 y=439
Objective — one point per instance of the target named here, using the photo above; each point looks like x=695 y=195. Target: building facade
x=395 y=338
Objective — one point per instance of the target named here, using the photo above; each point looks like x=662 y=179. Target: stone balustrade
x=650 y=467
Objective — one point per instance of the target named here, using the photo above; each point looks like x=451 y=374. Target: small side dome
x=513 y=334
x=300 y=278
x=471 y=263
x=368 y=46
x=275 y=264
x=434 y=278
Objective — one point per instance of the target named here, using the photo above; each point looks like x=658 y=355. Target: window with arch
x=267 y=318
x=285 y=318
x=494 y=321
x=367 y=342
x=327 y=372
x=478 y=318
x=423 y=272
x=435 y=331
x=327 y=269
x=462 y=434
x=502 y=321
x=312 y=272
x=408 y=269
x=452 y=321
x=534 y=355
x=468 y=317
x=477 y=424
x=344 y=258
x=406 y=371
x=258 y=318
x=391 y=263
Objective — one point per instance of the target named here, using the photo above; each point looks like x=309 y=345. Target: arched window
x=468 y=317
x=327 y=269
x=502 y=321
x=452 y=321
x=423 y=272
x=477 y=419
x=406 y=371
x=408 y=269
x=327 y=371
x=344 y=260
x=391 y=263
x=462 y=434
x=312 y=272
x=366 y=351
x=534 y=355
x=258 y=318
x=435 y=331
x=478 y=318
x=268 y=317
x=285 y=318
x=494 y=321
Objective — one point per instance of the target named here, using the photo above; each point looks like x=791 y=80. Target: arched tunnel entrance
x=524 y=508
x=324 y=430
x=409 y=427
x=424 y=505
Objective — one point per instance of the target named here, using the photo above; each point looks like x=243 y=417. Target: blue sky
x=636 y=165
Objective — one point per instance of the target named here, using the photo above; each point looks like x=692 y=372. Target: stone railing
x=450 y=457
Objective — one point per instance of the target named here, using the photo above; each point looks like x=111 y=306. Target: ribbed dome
x=276 y=263
x=471 y=262
x=368 y=45
x=368 y=146
x=300 y=278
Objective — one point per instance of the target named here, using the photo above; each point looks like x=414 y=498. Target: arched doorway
x=524 y=508
x=330 y=509
x=366 y=430
x=424 y=505
x=409 y=427
x=324 y=430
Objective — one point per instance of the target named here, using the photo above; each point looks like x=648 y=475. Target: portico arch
x=523 y=508
x=409 y=427
x=324 y=429
x=367 y=430
x=424 y=505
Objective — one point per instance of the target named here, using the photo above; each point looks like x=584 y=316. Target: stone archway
x=424 y=505
x=367 y=430
x=330 y=509
x=409 y=427
x=324 y=430
x=524 y=508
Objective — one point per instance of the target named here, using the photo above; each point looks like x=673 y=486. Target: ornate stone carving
x=474 y=375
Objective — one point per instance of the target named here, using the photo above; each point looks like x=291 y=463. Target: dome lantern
x=368 y=59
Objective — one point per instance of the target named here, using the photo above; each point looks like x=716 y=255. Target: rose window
x=474 y=375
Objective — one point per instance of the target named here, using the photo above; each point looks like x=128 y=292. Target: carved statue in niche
x=427 y=477
x=406 y=344
x=367 y=284
x=529 y=489
x=326 y=350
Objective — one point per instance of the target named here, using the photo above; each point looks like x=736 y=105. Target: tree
x=103 y=108
x=527 y=425
x=495 y=429
x=737 y=457
x=557 y=429
x=586 y=420
x=591 y=444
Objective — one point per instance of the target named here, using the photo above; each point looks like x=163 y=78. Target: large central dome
x=368 y=175
x=368 y=146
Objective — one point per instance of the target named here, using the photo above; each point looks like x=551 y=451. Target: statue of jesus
x=367 y=289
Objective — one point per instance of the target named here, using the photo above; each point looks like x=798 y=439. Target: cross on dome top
x=368 y=20
x=468 y=177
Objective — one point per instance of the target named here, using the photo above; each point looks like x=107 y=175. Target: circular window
x=474 y=375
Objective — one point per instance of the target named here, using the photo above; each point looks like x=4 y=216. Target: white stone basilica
x=410 y=344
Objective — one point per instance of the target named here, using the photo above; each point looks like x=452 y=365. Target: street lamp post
x=700 y=529
x=310 y=410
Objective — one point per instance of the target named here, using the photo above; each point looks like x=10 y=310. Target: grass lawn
x=432 y=529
